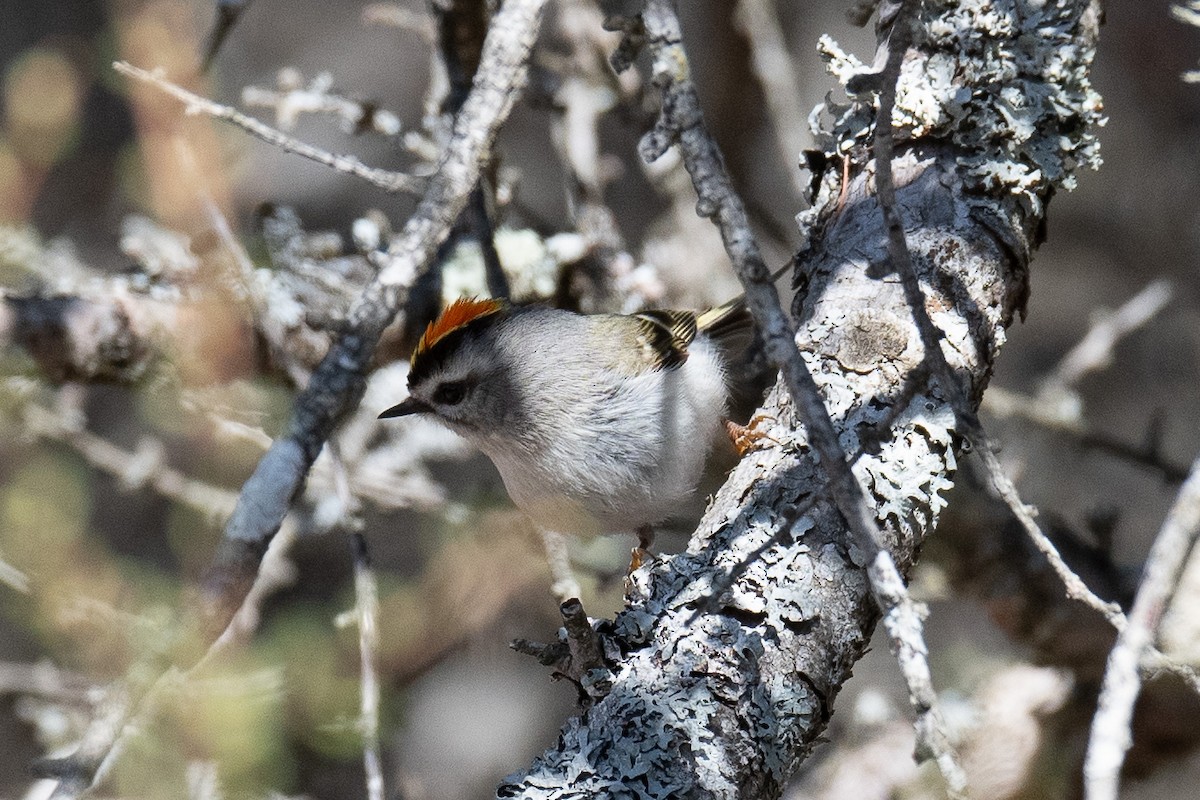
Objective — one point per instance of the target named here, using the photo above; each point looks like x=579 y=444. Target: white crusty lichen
x=1006 y=82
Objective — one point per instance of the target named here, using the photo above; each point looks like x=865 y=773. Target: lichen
x=1005 y=82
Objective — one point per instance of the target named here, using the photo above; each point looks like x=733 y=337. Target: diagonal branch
x=338 y=382
x=727 y=698
x=683 y=119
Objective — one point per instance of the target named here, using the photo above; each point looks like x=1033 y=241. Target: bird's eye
x=450 y=394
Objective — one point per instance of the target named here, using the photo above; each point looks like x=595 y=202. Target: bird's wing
x=729 y=325
x=663 y=337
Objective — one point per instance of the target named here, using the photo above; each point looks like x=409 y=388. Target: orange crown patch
x=457 y=315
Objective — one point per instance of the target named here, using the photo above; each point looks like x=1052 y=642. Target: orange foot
x=747 y=438
x=637 y=558
x=641 y=554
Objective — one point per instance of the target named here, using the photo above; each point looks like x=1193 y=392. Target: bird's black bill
x=409 y=406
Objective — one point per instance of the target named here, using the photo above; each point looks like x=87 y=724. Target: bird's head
x=457 y=370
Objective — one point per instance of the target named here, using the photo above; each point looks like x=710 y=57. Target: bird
x=597 y=423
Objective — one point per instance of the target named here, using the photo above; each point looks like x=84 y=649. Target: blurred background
x=81 y=151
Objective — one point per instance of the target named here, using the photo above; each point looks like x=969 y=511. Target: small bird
x=597 y=423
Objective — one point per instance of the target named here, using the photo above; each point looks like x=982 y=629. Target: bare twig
x=682 y=122
x=587 y=656
x=229 y=12
x=1094 y=351
x=365 y=617
x=396 y=16
x=134 y=699
x=241 y=276
x=1063 y=419
x=1075 y=588
x=1188 y=14
x=107 y=733
x=366 y=613
x=1110 y=735
x=195 y=104
x=931 y=727
x=143 y=467
x=203 y=781
x=45 y=680
x=291 y=98
x=128 y=703
x=588 y=90
x=461 y=25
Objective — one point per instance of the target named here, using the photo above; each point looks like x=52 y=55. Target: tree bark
x=733 y=652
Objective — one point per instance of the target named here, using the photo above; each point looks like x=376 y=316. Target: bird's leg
x=641 y=553
x=565 y=587
x=747 y=437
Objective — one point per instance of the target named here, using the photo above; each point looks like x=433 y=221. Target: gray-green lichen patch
x=1005 y=81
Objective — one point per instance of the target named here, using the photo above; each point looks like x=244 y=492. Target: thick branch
x=725 y=699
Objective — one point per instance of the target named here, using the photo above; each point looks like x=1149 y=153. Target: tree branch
x=385 y=179
x=338 y=382
x=726 y=699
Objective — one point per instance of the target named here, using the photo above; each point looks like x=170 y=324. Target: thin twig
x=587 y=656
x=366 y=619
x=931 y=728
x=195 y=104
x=241 y=276
x=143 y=467
x=931 y=337
x=366 y=613
x=1154 y=661
x=13 y=578
x=129 y=701
x=1095 y=350
x=460 y=26
x=46 y=680
x=291 y=98
x=1003 y=402
x=1111 y=735
x=682 y=121
x=396 y=16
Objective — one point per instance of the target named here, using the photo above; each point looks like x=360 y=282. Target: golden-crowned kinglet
x=597 y=423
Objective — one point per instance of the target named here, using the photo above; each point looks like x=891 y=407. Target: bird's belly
x=578 y=501
x=628 y=462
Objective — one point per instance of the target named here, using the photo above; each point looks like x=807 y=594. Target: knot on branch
x=582 y=653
